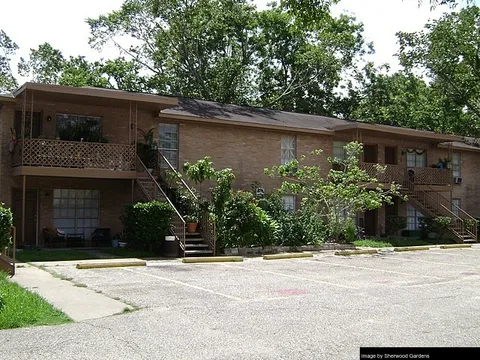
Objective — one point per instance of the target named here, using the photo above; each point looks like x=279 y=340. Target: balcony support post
x=24 y=193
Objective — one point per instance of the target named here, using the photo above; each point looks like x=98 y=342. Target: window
x=79 y=127
x=416 y=158
x=456 y=165
x=339 y=150
x=168 y=142
x=76 y=211
x=455 y=206
x=412 y=218
x=289 y=149
x=288 y=202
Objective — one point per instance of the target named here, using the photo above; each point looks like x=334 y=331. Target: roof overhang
x=99 y=96
x=397 y=131
x=209 y=120
x=459 y=146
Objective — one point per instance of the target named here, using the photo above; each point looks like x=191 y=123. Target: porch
x=423 y=177
x=46 y=157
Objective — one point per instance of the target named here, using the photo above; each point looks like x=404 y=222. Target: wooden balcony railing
x=418 y=175
x=74 y=154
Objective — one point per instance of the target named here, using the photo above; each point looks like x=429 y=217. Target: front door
x=36 y=124
x=370 y=154
x=30 y=216
x=390 y=155
x=371 y=222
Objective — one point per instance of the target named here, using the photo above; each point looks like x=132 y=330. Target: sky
x=62 y=23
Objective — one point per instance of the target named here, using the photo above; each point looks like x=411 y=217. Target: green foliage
x=349 y=231
x=437 y=225
x=243 y=223
x=470 y=223
x=201 y=171
x=7 y=49
x=23 y=308
x=446 y=51
x=146 y=224
x=6 y=223
x=395 y=224
x=336 y=195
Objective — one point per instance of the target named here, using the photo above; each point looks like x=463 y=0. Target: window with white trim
x=412 y=218
x=456 y=165
x=289 y=148
x=416 y=158
x=339 y=150
x=288 y=202
x=168 y=143
x=76 y=211
x=455 y=206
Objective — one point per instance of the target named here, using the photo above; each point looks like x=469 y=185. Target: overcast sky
x=62 y=23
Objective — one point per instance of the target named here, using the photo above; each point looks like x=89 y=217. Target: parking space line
x=379 y=270
x=187 y=285
x=292 y=277
x=430 y=262
x=452 y=252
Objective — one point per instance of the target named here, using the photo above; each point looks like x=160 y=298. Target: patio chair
x=52 y=237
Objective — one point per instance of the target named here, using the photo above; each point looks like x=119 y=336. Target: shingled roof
x=254 y=115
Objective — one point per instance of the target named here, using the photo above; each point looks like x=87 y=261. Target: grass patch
x=399 y=242
x=20 y=307
x=53 y=255
x=129 y=253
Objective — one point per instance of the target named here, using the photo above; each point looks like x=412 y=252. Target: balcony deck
x=45 y=157
x=437 y=179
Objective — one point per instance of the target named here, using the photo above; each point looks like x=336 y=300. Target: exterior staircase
x=191 y=244
x=463 y=227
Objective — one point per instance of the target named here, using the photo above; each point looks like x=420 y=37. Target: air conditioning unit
x=259 y=192
x=457 y=180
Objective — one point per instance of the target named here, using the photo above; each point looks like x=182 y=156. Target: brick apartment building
x=68 y=156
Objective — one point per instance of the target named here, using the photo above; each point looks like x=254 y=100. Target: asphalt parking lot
x=325 y=307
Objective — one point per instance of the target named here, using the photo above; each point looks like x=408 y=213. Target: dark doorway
x=36 y=124
x=391 y=209
x=371 y=222
x=390 y=155
x=370 y=154
x=30 y=216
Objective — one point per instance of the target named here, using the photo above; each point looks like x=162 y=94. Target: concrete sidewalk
x=77 y=302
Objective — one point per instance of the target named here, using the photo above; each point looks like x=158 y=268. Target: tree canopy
x=293 y=56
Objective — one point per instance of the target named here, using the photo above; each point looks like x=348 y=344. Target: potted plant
x=192 y=223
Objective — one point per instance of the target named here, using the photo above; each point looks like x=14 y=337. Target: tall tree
x=194 y=48
x=7 y=50
x=301 y=64
x=48 y=65
x=227 y=51
x=448 y=53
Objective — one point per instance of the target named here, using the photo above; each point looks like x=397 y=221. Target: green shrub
x=350 y=231
x=395 y=224
x=6 y=223
x=243 y=223
x=437 y=225
x=146 y=224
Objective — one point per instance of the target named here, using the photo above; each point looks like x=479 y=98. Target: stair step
x=193 y=240
x=192 y=234
x=198 y=252
x=196 y=246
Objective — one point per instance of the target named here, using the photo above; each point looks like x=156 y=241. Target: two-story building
x=68 y=156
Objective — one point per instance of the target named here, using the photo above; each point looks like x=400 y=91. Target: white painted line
x=293 y=277
x=187 y=285
x=452 y=252
x=379 y=270
x=430 y=262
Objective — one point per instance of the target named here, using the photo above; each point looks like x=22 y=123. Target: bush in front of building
x=395 y=224
x=6 y=223
x=147 y=224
